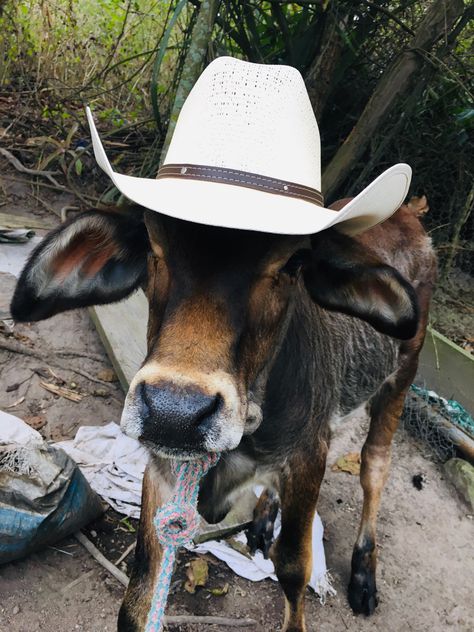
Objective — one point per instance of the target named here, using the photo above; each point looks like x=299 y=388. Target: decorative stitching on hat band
x=243 y=179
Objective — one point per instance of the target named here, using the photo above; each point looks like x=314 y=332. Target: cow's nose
x=176 y=417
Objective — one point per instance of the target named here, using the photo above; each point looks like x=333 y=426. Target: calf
x=256 y=343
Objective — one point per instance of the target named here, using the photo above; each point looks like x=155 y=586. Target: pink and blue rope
x=176 y=524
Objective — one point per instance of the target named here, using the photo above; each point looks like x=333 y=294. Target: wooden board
x=444 y=366
x=447 y=369
x=122 y=329
x=19 y=221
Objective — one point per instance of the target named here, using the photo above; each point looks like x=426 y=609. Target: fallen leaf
x=36 y=421
x=42 y=372
x=130 y=528
x=107 y=375
x=220 y=592
x=240 y=547
x=26 y=340
x=62 y=391
x=14 y=387
x=197 y=574
x=349 y=463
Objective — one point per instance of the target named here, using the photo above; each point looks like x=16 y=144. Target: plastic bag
x=43 y=494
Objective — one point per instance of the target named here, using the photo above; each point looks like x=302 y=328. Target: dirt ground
x=426 y=567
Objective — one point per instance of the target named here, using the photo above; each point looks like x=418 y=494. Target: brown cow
x=256 y=343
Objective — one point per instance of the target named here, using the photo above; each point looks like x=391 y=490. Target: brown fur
x=256 y=343
x=400 y=241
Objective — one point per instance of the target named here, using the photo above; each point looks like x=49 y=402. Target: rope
x=176 y=524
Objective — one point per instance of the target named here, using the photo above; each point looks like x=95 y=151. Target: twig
x=58 y=187
x=103 y=561
x=125 y=553
x=64 y=211
x=16 y=403
x=389 y=14
x=62 y=392
x=79 y=354
x=61 y=551
x=221 y=621
x=77 y=581
x=14 y=347
x=47 y=206
x=32 y=172
x=168 y=620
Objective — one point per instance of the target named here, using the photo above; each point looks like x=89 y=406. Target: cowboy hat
x=246 y=154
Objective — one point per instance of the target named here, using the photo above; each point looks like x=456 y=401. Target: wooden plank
x=7 y=287
x=19 y=221
x=444 y=366
x=122 y=329
x=447 y=369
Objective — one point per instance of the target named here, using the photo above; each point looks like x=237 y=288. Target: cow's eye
x=294 y=264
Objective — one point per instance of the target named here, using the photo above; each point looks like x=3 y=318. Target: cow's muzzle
x=179 y=419
x=182 y=419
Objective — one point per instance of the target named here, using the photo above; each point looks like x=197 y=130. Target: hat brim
x=229 y=206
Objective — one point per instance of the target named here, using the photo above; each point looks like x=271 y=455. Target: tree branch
x=394 y=83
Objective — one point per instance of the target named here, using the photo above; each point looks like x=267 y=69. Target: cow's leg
x=385 y=409
x=292 y=552
x=157 y=489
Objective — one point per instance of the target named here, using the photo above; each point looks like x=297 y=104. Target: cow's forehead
x=201 y=245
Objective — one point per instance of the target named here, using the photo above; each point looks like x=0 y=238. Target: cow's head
x=219 y=304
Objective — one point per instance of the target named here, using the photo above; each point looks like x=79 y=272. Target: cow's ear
x=344 y=276
x=94 y=259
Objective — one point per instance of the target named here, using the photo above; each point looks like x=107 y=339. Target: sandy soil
x=426 y=568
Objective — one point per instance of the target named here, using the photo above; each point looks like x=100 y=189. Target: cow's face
x=219 y=305
x=218 y=301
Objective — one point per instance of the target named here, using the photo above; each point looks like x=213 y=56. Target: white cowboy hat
x=246 y=154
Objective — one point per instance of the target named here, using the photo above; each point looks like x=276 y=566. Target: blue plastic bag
x=43 y=494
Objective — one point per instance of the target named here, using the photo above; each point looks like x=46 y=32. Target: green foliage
x=78 y=50
x=126 y=58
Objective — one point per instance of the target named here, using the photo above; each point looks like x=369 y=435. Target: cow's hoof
x=362 y=594
x=260 y=532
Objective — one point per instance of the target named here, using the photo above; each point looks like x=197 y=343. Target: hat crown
x=250 y=117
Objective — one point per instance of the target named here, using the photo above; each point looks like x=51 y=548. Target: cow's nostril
x=209 y=410
x=173 y=415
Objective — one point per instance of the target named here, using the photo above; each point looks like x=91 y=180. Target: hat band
x=241 y=179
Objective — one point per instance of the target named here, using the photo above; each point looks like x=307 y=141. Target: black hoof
x=260 y=532
x=362 y=591
x=362 y=594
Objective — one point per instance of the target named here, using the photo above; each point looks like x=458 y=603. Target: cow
x=257 y=343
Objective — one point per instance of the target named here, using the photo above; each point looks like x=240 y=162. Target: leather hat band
x=242 y=179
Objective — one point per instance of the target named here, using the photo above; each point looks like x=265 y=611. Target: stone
x=107 y=375
x=461 y=474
